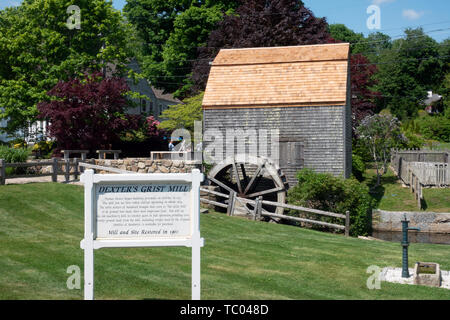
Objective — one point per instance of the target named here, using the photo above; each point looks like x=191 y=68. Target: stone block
x=427 y=274
x=163 y=169
x=141 y=165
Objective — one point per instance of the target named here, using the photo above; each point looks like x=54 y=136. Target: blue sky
x=396 y=15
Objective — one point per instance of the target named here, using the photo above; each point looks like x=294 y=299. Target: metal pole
x=405 y=244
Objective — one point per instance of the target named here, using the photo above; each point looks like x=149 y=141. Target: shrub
x=325 y=192
x=358 y=167
x=43 y=149
x=414 y=141
x=12 y=155
x=436 y=128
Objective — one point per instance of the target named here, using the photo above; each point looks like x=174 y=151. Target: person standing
x=171 y=146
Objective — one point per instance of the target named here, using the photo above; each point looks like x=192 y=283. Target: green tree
x=342 y=33
x=171 y=31
x=183 y=115
x=377 y=43
x=379 y=133
x=37 y=49
x=407 y=70
x=191 y=29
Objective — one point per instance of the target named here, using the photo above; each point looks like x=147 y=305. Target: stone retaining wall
x=139 y=165
x=432 y=222
x=145 y=165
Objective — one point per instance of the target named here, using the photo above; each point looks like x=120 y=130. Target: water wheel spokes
x=251 y=178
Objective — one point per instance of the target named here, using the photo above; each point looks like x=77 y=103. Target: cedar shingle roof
x=279 y=76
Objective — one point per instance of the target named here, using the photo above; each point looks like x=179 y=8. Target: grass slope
x=392 y=196
x=41 y=226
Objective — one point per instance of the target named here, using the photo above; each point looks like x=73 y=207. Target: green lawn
x=41 y=226
x=392 y=196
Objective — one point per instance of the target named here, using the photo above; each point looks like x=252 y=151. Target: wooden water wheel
x=250 y=177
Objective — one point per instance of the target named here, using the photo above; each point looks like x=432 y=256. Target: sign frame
x=89 y=244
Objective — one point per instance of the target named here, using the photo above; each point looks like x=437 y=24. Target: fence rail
x=420 y=168
x=258 y=210
x=58 y=167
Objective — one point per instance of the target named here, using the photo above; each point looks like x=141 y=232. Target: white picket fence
x=428 y=173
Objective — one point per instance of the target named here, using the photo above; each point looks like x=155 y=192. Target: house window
x=150 y=107
x=143 y=106
x=291 y=153
x=160 y=109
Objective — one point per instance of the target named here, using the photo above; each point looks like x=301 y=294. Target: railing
x=67 y=153
x=103 y=168
x=65 y=165
x=430 y=173
x=415 y=185
x=419 y=168
x=258 y=210
x=415 y=155
x=102 y=153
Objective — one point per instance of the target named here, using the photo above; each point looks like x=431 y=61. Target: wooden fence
x=420 y=174
x=429 y=173
x=414 y=155
x=257 y=212
x=66 y=167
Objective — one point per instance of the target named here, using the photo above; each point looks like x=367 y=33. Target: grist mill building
x=304 y=91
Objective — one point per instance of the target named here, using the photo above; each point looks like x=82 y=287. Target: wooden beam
x=247 y=189
x=290 y=206
x=260 y=193
x=221 y=184
x=236 y=175
x=215 y=192
x=214 y=203
x=325 y=224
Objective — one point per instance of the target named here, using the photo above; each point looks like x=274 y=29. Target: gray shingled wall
x=320 y=131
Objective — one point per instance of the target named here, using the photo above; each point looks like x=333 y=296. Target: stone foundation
x=145 y=165
x=431 y=222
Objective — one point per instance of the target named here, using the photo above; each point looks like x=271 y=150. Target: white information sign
x=141 y=210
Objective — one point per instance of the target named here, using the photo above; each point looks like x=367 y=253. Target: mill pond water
x=413 y=237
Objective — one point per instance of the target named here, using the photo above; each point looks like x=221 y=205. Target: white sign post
x=141 y=210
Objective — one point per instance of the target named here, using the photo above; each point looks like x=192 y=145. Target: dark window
x=151 y=107
x=143 y=106
x=291 y=153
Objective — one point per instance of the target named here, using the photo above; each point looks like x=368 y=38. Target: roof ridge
x=279 y=47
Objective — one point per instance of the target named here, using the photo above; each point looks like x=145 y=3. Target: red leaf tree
x=87 y=113
x=363 y=97
x=261 y=23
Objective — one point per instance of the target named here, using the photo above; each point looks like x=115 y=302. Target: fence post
x=258 y=208
x=67 y=171
x=419 y=196
x=231 y=202
x=75 y=169
x=54 y=170
x=347 y=223
x=83 y=159
x=2 y=172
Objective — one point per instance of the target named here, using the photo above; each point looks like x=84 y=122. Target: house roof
x=159 y=94
x=279 y=76
x=434 y=97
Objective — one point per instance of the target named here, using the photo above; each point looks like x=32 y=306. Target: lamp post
x=405 y=244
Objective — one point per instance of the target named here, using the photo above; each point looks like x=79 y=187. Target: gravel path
x=394 y=275
x=61 y=178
